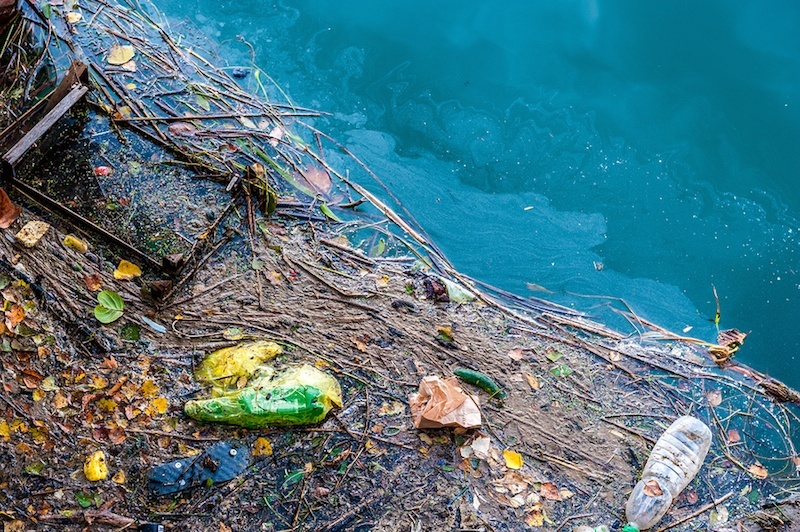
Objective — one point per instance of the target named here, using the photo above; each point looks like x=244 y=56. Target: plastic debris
x=219 y=463
x=95 y=467
x=296 y=396
x=223 y=368
x=674 y=461
x=31 y=233
x=442 y=403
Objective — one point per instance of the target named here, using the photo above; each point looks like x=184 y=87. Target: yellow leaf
x=120 y=54
x=160 y=404
x=107 y=405
x=73 y=17
x=38 y=395
x=148 y=389
x=127 y=271
x=513 y=459
x=76 y=244
x=382 y=281
x=99 y=382
x=5 y=433
x=262 y=447
x=119 y=477
x=95 y=467
x=131 y=86
x=532 y=381
x=535 y=517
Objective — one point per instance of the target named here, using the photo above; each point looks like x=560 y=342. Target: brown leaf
x=15 y=314
x=652 y=488
x=731 y=338
x=516 y=354
x=550 y=491
x=758 y=471
x=733 y=436
x=117 y=435
x=93 y=282
x=9 y=212
x=691 y=496
x=318 y=178
x=182 y=128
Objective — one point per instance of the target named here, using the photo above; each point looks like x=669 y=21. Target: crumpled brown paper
x=441 y=403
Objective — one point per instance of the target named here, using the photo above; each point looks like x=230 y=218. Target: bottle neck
x=630 y=527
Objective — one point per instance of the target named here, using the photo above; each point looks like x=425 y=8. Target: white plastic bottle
x=584 y=528
x=675 y=460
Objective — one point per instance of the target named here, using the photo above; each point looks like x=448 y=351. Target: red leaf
x=8 y=211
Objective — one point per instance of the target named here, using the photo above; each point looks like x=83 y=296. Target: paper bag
x=441 y=403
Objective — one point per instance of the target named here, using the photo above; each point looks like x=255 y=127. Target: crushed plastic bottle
x=675 y=460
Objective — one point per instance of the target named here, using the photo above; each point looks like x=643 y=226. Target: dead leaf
x=119 y=477
x=9 y=212
x=14 y=315
x=127 y=271
x=382 y=281
x=758 y=471
x=516 y=354
x=93 y=282
x=129 y=66
x=550 y=491
x=73 y=17
x=513 y=459
x=160 y=404
x=120 y=54
x=532 y=381
x=148 y=389
x=691 y=496
x=101 y=171
x=117 y=435
x=274 y=277
x=731 y=338
x=184 y=129
x=318 y=178
x=652 y=488
x=361 y=342
x=733 y=436
x=714 y=397
x=276 y=135
x=262 y=447
x=535 y=517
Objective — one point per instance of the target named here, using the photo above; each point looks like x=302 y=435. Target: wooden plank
x=78 y=73
x=12 y=157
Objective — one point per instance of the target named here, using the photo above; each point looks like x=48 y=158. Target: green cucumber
x=480 y=380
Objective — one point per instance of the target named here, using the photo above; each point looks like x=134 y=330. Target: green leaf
x=294 y=477
x=202 y=101
x=84 y=499
x=378 y=249
x=130 y=331
x=754 y=496
x=35 y=468
x=110 y=307
x=561 y=371
x=47 y=9
x=552 y=356
x=329 y=213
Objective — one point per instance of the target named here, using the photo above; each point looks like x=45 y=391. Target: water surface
x=642 y=150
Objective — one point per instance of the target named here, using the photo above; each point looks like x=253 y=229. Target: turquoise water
x=537 y=141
